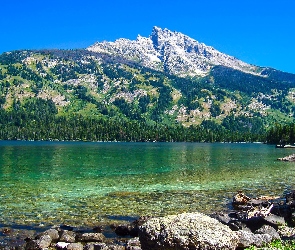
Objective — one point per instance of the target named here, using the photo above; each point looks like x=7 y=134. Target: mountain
x=167 y=87
x=173 y=53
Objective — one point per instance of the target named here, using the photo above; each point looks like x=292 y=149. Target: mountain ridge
x=172 y=52
x=105 y=93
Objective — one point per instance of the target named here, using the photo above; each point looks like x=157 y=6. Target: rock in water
x=288 y=158
x=186 y=231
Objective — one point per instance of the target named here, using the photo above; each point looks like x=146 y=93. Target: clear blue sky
x=255 y=31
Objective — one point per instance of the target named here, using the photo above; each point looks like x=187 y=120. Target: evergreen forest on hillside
x=82 y=95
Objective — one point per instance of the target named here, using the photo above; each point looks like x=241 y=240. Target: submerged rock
x=186 y=231
x=240 y=199
x=288 y=158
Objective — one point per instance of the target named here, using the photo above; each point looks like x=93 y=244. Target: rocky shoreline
x=251 y=222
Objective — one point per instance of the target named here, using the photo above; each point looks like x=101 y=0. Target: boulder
x=274 y=220
x=43 y=242
x=68 y=236
x=91 y=237
x=32 y=245
x=287 y=233
x=247 y=239
x=231 y=220
x=133 y=244
x=53 y=233
x=103 y=246
x=240 y=199
x=96 y=246
x=266 y=229
x=186 y=231
x=75 y=246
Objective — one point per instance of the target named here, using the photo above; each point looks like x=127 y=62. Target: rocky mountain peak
x=159 y=36
x=172 y=52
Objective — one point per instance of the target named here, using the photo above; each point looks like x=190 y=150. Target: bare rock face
x=171 y=52
x=186 y=231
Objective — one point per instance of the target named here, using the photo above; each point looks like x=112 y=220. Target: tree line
x=38 y=119
x=281 y=134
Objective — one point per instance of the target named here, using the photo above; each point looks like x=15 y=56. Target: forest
x=281 y=134
x=82 y=95
x=37 y=119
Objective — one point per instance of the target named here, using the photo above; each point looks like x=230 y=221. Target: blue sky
x=257 y=32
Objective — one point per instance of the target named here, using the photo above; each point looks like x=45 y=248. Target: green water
x=88 y=183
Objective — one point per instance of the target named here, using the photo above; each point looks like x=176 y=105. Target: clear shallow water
x=89 y=183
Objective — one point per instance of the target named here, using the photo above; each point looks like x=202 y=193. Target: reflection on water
x=86 y=183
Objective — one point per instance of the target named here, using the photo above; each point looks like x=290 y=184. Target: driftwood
x=254 y=207
x=259 y=212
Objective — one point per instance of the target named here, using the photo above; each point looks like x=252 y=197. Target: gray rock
x=115 y=247
x=233 y=223
x=96 y=246
x=41 y=243
x=287 y=233
x=222 y=217
x=103 y=246
x=75 y=246
x=68 y=236
x=91 y=237
x=133 y=244
x=32 y=245
x=266 y=229
x=275 y=220
x=45 y=241
x=172 y=52
x=186 y=231
x=247 y=239
x=53 y=233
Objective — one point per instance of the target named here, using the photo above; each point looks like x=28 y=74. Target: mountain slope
x=93 y=95
x=172 y=52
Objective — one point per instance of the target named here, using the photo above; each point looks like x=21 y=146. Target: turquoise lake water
x=85 y=183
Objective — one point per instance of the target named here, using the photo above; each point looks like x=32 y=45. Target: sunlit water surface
x=80 y=183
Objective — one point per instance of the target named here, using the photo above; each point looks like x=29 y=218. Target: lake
x=87 y=183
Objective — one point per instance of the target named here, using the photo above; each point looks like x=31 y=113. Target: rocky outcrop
x=253 y=222
x=186 y=231
x=172 y=52
x=61 y=238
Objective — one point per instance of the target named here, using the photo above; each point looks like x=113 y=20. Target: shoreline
x=244 y=218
